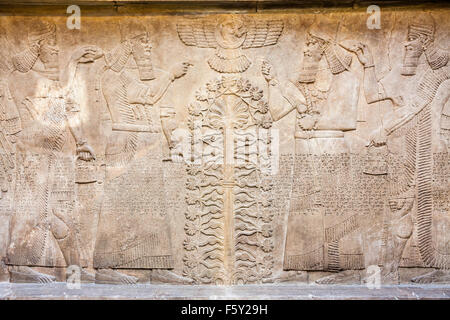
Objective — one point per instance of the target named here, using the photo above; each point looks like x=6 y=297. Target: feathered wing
x=6 y=65
x=198 y=32
x=9 y=115
x=9 y=123
x=261 y=33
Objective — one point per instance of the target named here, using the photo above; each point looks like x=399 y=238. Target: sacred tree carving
x=229 y=232
x=229 y=235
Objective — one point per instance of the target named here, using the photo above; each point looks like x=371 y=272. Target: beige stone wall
x=223 y=145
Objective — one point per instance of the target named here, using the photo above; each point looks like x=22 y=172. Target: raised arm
x=283 y=97
x=84 y=150
x=177 y=72
x=85 y=54
x=373 y=89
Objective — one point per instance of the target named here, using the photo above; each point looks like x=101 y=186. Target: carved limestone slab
x=231 y=148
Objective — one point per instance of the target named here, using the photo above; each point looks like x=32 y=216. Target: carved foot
x=390 y=277
x=344 y=277
x=166 y=276
x=22 y=274
x=109 y=276
x=389 y=274
x=87 y=277
x=386 y=276
x=437 y=276
x=289 y=276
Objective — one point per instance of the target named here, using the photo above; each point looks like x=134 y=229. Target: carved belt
x=134 y=127
x=319 y=134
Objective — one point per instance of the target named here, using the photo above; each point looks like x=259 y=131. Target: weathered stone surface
x=236 y=148
x=53 y=291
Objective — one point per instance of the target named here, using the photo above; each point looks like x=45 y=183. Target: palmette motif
x=228 y=230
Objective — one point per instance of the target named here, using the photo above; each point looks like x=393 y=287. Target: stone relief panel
x=225 y=149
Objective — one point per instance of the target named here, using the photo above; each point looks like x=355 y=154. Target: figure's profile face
x=314 y=48
x=142 y=54
x=142 y=45
x=49 y=51
x=232 y=30
x=230 y=33
x=311 y=57
x=414 y=47
x=227 y=30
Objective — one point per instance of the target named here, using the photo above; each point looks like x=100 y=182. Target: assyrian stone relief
x=133 y=231
x=225 y=149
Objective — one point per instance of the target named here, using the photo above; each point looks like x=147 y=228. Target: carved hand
x=363 y=53
x=176 y=145
x=85 y=152
x=398 y=101
x=180 y=70
x=175 y=156
x=267 y=71
x=35 y=45
x=168 y=124
x=87 y=54
x=377 y=138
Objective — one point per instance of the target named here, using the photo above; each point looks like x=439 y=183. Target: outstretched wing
x=6 y=65
x=6 y=150
x=9 y=115
x=198 y=33
x=261 y=33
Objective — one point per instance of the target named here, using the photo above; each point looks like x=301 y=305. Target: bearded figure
x=407 y=133
x=10 y=123
x=133 y=230
x=10 y=126
x=322 y=226
x=42 y=229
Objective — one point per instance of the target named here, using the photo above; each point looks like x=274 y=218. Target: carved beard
x=145 y=68
x=143 y=60
x=411 y=59
x=49 y=57
x=309 y=68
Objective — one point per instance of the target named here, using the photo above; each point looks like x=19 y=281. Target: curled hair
x=25 y=60
x=117 y=59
